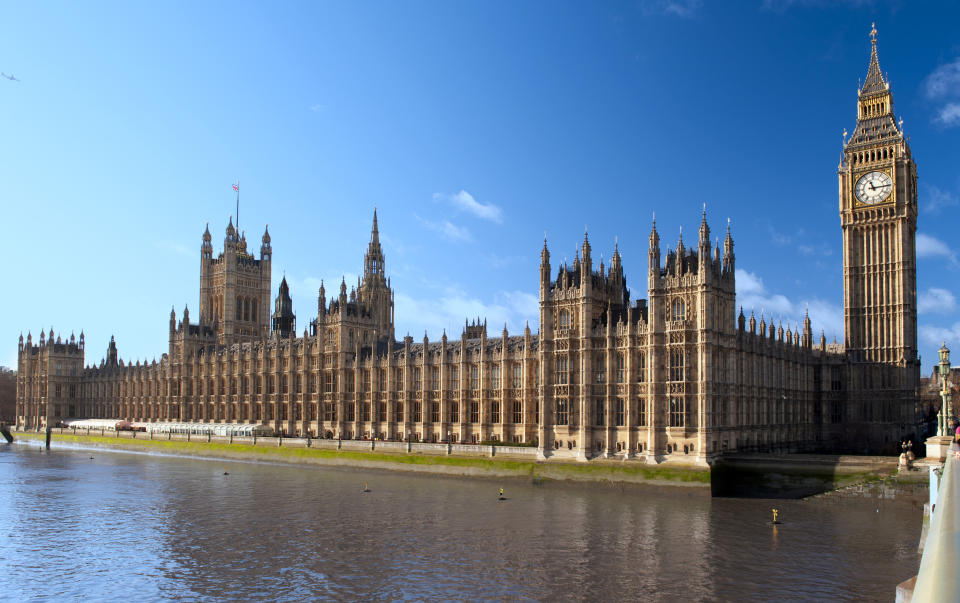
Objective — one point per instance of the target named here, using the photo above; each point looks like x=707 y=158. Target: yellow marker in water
x=775 y=512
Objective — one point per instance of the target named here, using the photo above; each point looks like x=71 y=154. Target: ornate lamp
x=943 y=428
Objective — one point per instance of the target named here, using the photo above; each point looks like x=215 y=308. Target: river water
x=125 y=525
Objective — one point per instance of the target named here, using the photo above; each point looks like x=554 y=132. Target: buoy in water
x=365 y=487
x=775 y=513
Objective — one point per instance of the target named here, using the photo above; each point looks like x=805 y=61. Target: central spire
x=874 y=83
x=373 y=260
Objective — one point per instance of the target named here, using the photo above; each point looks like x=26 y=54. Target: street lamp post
x=943 y=421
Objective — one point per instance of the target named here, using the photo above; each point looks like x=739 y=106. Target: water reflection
x=179 y=529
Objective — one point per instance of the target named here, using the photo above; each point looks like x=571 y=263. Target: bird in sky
x=9 y=77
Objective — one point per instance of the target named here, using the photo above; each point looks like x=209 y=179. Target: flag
x=235 y=187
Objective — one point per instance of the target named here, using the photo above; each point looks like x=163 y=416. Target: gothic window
x=495 y=411
x=564 y=320
x=474 y=378
x=253 y=311
x=641 y=412
x=495 y=376
x=454 y=373
x=677 y=358
x=239 y=313
x=284 y=384
x=417 y=378
x=619 y=412
x=351 y=411
x=381 y=411
x=381 y=380
x=435 y=412
x=563 y=370
x=562 y=417
x=621 y=367
x=600 y=413
x=601 y=376
x=366 y=380
x=398 y=412
x=398 y=384
x=435 y=378
x=417 y=412
x=296 y=384
x=455 y=412
x=366 y=411
x=517 y=375
x=351 y=382
x=678 y=413
x=517 y=411
x=679 y=309
x=474 y=412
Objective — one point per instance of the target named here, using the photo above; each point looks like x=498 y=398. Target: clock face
x=873 y=187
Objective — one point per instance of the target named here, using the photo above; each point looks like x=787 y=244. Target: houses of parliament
x=682 y=372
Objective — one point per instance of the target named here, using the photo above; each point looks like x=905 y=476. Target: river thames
x=126 y=525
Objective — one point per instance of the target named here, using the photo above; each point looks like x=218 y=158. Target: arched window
x=679 y=309
x=564 y=322
x=677 y=362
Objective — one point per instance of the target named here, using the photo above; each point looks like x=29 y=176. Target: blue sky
x=473 y=127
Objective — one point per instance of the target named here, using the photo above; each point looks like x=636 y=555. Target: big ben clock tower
x=878 y=213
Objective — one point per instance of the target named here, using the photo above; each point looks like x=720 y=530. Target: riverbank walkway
x=939 y=575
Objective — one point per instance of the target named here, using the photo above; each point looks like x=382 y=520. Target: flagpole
x=238 y=205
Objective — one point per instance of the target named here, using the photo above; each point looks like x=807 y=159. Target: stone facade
x=679 y=373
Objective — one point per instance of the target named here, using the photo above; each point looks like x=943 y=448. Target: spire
x=586 y=248
x=206 y=234
x=704 y=230
x=373 y=259
x=874 y=82
x=544 y=253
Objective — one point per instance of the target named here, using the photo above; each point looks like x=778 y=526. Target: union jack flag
x=235 y=187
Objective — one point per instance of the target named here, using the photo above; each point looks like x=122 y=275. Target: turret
x=206 y=248
x=703 y=248
x=230 y=240
x=544 y=269
x=728 y=258
x=587 y=268
x=653 y=254
x=321 y=301
x=265 y=250
x=807 y=330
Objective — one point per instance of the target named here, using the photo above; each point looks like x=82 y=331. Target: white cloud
x=465 y=202
x=948 y=115
x=932 y=247
x=944 y=81
x=938 y=199
x=447 y=229
x=936 y=336
x=936 y=301
x=317 y=107
x=672 y=8
x=450 y=309
x=943 y=85
x=752 y=295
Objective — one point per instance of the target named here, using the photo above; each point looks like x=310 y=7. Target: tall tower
x=878 y=214
x=235 y=288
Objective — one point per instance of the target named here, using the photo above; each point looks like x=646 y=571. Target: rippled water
x=124 y=525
